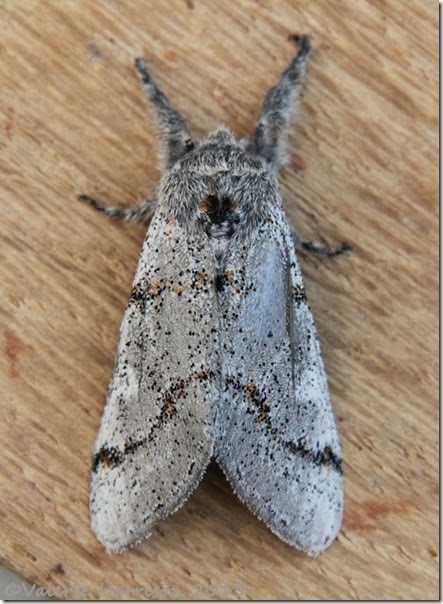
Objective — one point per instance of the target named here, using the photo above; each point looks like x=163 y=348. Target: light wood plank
x=73 y=118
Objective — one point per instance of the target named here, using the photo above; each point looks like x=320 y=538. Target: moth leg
x=313 y=247
x=139 y=213
x=176 y=138
x=278 y=106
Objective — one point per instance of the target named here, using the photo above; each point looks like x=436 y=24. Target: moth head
x=200 y=177
x=219 y=184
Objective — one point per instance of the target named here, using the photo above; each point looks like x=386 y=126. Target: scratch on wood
x=363 y=516
x=10 y=123
x=58 y=569
x=13 y=348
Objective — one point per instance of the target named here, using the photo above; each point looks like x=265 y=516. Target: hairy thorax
x=220 y=188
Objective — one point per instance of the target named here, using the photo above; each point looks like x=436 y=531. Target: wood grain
x=364 y=170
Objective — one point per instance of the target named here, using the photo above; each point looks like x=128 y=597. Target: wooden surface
x=364 y=170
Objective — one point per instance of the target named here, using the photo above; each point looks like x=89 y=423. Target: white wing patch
x=275 y=433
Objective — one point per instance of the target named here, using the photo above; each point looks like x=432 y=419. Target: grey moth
x=218 y=354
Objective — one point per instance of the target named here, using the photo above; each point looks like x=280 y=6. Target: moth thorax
x=219 y=216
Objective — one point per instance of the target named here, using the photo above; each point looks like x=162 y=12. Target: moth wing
x=155 y=438
x=276 y=438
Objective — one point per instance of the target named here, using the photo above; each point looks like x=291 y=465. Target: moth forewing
x=155 y=439
x=276 y=438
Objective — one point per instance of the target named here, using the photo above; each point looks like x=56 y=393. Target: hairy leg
x=140 y=213
x=278 y=106
x=176 y=138
x=316 y=248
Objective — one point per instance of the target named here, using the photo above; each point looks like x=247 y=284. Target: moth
x=218 y=354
